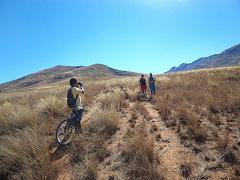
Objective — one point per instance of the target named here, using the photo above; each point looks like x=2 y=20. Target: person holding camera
x=74 y=101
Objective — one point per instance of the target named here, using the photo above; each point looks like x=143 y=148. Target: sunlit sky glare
x=135 y=35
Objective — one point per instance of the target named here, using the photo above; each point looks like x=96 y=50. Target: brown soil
x=171 y=153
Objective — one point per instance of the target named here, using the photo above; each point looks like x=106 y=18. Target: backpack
x=71 y=102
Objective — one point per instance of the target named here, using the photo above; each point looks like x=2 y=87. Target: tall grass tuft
x=15 y=116
x=112 y=99
x=138 y=155
x=106 y=121
x=25 y=155
x=51 y=105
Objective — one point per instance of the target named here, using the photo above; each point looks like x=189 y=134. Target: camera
x=80 y=84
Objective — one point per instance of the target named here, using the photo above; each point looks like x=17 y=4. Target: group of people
x=151 y=84
x=77 y=89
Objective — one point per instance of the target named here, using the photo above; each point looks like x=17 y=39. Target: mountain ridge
x=229 y=57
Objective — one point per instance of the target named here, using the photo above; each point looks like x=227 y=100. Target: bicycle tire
x=66 y=139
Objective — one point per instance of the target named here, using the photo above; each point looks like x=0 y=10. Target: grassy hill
x=190 y=129
x=60 y=73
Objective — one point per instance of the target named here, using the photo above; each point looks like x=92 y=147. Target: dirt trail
x=171 y=152
x=111 y=167
x=65 y=172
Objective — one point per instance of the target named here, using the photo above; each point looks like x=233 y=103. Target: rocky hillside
x=229 y=57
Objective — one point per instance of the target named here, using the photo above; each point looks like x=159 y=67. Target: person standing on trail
x=151 y=83
x=74 y=102
x=143 y=84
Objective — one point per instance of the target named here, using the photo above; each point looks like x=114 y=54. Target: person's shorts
x=152 y=87
x=143 y=88
x=78 y=116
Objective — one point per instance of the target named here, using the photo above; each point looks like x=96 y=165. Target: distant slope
x=59 y=73
x=229 y=57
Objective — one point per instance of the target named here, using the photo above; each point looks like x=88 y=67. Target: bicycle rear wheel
x=64 y=132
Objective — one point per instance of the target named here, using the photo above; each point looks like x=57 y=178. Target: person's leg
x=151 y=88
x=143 y=92
x=154 y=89
x=77 y=121
x=142 y=88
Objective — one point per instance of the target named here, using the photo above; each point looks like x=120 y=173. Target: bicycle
x=143 y=96
x=66 y=128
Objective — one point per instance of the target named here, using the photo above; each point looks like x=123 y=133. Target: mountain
x=229 y=57
x=60 y=73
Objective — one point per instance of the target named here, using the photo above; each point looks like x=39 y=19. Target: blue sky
x=135 y=35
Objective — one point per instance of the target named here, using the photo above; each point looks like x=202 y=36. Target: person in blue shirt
x=151 y=83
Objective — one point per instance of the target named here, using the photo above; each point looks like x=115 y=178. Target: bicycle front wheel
x=64 y=132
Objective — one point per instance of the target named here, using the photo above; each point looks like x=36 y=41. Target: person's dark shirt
x=151 y=80
x=143 y=81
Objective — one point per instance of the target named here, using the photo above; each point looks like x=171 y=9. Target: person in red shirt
x=143 y=84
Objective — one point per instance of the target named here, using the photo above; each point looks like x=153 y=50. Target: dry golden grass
x=132 y=94
x=130 y=87
x=51 y=105
x=91 y=91
x=105 y=111
x=25 y=156
x=14 y=116
x=138 y=154
x=163 y=107
x=112 y=99
x=211 y=89
x=204 y=92
x=28 y=120
x=107 y=121
x=187 y=102
x=198 y=103
x=222 y=143
x=86 y=171
x=139 y=108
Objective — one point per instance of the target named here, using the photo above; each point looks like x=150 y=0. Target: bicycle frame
x=68 y=126
x=70 y=122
